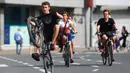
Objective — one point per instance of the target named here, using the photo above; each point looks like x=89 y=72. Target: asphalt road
x=88 y=62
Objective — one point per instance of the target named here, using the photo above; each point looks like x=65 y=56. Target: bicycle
x=35 y=30
x=107 y=54
x=67 y=53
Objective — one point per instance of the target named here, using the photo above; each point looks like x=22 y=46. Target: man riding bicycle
x=105 y=25
x=51 y=28
x=65 y=25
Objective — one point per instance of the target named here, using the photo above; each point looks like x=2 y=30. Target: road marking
x=94 y=70
x=76 y=63
x=42 y=70
x=62 y=62
x=82 y=57
x=27 y=64
x=116 y=63
x=30 y=65
x=95 y=66
x=88 y=59
x=3 y=65
x=36 y=67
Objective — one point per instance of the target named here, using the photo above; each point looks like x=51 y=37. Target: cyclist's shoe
x=113 y=60
x=52 y=47
x=36 y=56
x=71 y=61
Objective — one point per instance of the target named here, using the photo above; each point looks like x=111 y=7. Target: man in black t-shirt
x=51 y=28
x=104 y=26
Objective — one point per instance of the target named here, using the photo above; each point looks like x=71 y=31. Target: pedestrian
x=124 y=34
x=19 y=41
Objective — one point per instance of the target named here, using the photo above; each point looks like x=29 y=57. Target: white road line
x=94 y=70
x=116 y=63
x=76 y=63
x=62 y=62
x=82 y=57
x=20 y=62
x=95 y=66
x=88 y=59
x=27 y=64
x=3 y=65
x=30 y=65
x=42 y=70
x=36 y=67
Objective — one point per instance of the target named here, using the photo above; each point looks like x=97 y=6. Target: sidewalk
x=25 y=51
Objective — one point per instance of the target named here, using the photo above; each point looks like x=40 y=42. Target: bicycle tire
x=104 y=58
x=33 y=33
x=48 y=67
x=110 y=54
x=67 y=55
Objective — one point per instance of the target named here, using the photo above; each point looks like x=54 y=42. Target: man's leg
x=124 y=42
x=55 y=35
x=103 y=40
x=17 y=47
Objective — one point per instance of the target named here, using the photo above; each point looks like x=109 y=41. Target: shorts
x=108 y=34
x=68 y=35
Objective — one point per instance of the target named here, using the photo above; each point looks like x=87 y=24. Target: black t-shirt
x=49 y=21
x=106 y=26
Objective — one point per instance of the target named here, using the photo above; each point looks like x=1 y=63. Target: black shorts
x=108 y=34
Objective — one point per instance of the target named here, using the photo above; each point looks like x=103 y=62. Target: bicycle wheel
x=110 y=54
x=67 y=55
x=47 y=65
x=33 y=31
x=104 y=58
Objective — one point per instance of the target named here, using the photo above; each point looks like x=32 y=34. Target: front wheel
x=67 y=55
x=48 y=66
x=104 y=58
x=110 y=54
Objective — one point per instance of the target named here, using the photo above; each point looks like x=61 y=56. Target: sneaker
x=71 y=61
x=113 y=60
x=36 y=56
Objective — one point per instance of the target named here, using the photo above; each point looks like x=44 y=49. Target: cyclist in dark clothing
x=51 y=28
x=105 y=25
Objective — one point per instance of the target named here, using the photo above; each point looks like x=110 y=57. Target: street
x=87 y=62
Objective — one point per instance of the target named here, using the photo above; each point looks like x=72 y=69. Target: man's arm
x=117 y=31
x=98 y=28
x=59 y=15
